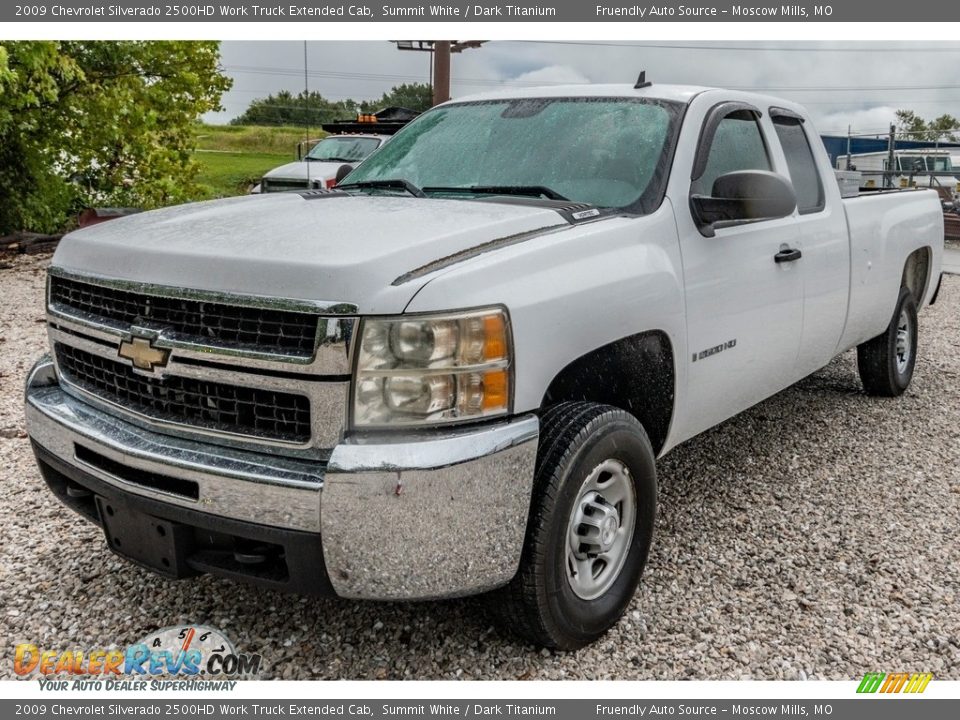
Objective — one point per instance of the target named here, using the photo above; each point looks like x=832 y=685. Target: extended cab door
x=744 y=309
x=822 y=237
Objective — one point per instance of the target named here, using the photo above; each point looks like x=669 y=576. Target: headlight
x=432 y=369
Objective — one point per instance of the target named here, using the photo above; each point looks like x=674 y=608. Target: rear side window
x=803 y=168
x=737 y=145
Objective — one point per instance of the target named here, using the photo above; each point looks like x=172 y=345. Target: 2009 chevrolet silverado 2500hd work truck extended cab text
x=453 y=374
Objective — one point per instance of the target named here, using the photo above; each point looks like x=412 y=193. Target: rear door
x=744 y=310
x=821 y=237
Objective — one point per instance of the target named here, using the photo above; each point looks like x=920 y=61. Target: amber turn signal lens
x=495 y=337
x=495 y=390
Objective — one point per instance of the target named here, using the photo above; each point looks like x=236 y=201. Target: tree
x=109 y=123
x=415 y=96
x=911 y=126
x=285 y=108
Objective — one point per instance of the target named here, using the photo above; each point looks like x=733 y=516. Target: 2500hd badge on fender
x=453 y=373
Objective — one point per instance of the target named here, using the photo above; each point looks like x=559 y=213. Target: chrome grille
x=190 y=401
x=267 y=330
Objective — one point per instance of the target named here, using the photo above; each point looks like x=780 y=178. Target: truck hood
x=298 y=170
x=324 y=248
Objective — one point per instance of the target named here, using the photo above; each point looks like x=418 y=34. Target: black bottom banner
x=869 y=708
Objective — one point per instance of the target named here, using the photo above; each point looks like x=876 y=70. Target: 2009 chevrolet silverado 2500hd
x=453 y=374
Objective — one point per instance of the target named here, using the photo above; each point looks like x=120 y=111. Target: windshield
x=343 y=148
x=609 y=152
x=927 y=163
x=911 y=163
x=939 y=163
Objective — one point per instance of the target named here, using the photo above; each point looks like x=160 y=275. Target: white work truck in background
x=453 y=374
x=318 y=167
x=910 y=168
x=320 y=164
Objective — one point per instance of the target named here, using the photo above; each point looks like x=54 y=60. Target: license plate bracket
x=154 y=543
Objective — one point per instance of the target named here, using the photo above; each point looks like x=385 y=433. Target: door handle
x=787 y=255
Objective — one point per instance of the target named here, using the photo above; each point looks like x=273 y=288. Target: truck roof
x=681 y=93
x=676 y=93
x=905 y=151
x=356 y=135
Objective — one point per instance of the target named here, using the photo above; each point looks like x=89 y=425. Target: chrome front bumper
x=419 y=516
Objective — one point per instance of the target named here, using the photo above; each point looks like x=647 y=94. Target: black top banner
x=406 y=11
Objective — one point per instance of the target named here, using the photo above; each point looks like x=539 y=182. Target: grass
x=233 y=158
x=252 y=138
x=223 y=174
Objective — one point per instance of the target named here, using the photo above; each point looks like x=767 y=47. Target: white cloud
x=868 y=120
x=553 y=74
x=858 y=84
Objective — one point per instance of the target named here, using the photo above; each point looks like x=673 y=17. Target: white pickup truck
x=319 y=167
x=454 y=373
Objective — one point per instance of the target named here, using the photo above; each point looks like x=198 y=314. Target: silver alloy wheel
x=904 y=342
x=600 y=529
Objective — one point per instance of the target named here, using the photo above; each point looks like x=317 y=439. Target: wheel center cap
x=608 y=531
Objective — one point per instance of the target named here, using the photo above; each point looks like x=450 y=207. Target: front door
x=744 y=309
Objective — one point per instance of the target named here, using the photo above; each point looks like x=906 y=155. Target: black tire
x=540 y=603
x=884 y=368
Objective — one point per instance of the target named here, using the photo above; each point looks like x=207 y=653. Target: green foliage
x=911 y=126
x=279 y=140
x=415 y=96
x=233 y=158
x=223 y=174
x=99 y=123
x=313 y=109
x=285 y=108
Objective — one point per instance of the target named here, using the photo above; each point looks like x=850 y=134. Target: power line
x=847 y=88
x=333 y=74
x=741 y=48
x=880 y=102
x=337 y=75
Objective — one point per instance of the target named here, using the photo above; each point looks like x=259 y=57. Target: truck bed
x=886 y=226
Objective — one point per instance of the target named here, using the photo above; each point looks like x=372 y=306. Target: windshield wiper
x=331 y=159
x=397 y=184
x=528 y=190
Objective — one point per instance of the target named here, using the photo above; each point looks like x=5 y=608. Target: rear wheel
x=886 y=362
x=590 y=528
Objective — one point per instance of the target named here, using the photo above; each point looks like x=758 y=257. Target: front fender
x=573 y=291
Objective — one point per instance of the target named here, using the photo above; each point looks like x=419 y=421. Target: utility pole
x=440 y=50
x=849 y=157
x=891 y=156
x=441 y=71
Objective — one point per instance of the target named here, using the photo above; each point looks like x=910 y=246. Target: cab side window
x=803 y=168
x=737 y=145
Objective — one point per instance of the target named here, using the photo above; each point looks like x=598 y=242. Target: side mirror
x=743 y=196
x=342 y=172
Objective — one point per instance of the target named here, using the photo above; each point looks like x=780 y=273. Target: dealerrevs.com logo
x=889 y=683
x=184 y=651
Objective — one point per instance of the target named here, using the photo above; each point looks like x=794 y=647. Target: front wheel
x=590 y=527
x=886 y=362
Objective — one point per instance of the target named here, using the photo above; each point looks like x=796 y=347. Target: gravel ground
x=813 y=536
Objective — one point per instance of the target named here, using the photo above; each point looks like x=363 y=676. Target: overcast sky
x=860 y=84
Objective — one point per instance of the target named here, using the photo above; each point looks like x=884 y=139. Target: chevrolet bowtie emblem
x=142 y=354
